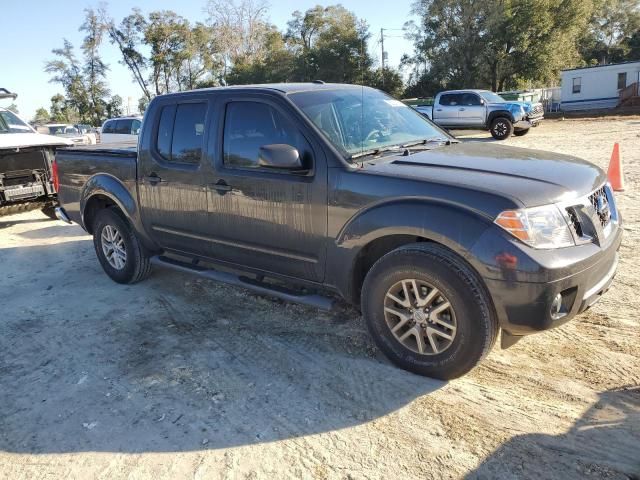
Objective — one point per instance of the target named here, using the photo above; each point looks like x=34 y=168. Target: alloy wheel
x=420 y=317
x=113 y=247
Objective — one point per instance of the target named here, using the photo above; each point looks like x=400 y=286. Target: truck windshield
x=491 y=97
x=356 y=120
x=11 y=123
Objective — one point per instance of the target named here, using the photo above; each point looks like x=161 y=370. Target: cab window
x=180 y=133
x=251 y=125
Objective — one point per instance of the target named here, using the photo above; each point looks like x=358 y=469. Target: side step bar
x=256 y=286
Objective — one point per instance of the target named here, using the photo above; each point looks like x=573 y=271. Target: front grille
x=575 y=223
x=536 y=111
x=600 y=204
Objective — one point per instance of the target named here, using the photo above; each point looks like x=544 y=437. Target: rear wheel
x=119 y=251
x=521 y=133
x=428 y=312
x=501 y=128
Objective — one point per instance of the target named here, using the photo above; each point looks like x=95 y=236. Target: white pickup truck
x=483 y=110
x=26 y=156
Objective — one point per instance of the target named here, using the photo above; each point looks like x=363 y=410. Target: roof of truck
x=285 y=87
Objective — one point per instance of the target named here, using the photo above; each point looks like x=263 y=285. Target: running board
x=254 y=285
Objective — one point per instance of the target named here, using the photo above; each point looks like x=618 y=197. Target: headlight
x=539 y=227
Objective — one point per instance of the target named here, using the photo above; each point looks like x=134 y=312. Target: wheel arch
x=384 y=228
x=106 y=191
x=499 y=114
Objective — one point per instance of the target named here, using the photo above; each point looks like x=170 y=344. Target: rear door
x=471 y=110
x=259 y=217
x=446 y=111
x=171 y=174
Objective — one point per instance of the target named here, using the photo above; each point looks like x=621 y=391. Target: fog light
x=556 y=308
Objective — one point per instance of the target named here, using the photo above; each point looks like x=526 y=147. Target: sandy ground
x=181 y=378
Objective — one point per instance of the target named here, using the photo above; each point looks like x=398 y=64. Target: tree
x=330 y=45
x=609 y=36
x=143 y=103
x=114 y=107
x=14 y=108
x=277 y=64
x=128 y=36
x=62 y=111
x=496 y=45
x=240 y=30
x=41 y=116
x=94 y=69
x=387 y=80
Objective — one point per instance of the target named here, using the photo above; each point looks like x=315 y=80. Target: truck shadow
x=603 y=443
x=174 y=363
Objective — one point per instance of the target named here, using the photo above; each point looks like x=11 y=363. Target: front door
x=171 y=176
x=472 y=110
x=273 y=220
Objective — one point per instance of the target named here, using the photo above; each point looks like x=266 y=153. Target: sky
x=30 y=30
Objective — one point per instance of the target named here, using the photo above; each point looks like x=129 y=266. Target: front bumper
x=523 y=282
x=528 y=122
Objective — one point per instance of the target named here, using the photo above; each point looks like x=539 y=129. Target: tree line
x=498 y=44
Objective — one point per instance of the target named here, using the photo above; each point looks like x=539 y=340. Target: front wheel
x=427 y=311
x=501 y=128
x=119 y=251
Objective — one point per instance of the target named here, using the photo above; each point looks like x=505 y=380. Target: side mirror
x=279 y=155
x=482 y=101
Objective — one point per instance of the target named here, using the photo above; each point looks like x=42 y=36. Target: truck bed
x=124 y=149
x=79 y=169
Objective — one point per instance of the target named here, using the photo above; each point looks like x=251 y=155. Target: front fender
x=499 y=113
x=451 y=225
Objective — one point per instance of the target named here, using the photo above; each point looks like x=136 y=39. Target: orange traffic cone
x=616 y=178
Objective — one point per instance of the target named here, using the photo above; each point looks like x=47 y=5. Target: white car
x=122 y=129
x=71 y=132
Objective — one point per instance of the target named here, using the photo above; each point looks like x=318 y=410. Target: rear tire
x=459 y=301
x=501 y=128
x=521 y=133
x=119 y=251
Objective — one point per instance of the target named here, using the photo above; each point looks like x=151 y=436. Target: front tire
x=501 y=128
x=119 y=251
x=428 y=312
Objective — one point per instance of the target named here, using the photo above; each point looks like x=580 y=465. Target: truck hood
x=532 y=177
x=23 y=140
x=528 y=106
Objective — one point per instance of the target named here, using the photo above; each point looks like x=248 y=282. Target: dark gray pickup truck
x=295 y=189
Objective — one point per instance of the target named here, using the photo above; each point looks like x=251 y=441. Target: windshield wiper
x=403 y=147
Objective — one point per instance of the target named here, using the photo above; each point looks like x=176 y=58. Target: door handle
x=153 y=179
x=222 y=187
x=438 y=109
x=461 y=110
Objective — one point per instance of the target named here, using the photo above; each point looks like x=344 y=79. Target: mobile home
x=598 y=86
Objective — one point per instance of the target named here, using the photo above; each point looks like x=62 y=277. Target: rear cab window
x=180 y=132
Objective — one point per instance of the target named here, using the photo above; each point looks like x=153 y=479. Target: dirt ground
x=183 y=378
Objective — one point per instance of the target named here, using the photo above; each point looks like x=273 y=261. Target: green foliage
x=41 y=116
x=114 y=107
x=83 y=80
x=497 y=45
x=62 y=111
x=613 y=32
x=14 y=108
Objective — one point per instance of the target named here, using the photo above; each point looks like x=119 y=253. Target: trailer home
x=598 y=86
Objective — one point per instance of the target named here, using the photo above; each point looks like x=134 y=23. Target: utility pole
x=382 y=45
